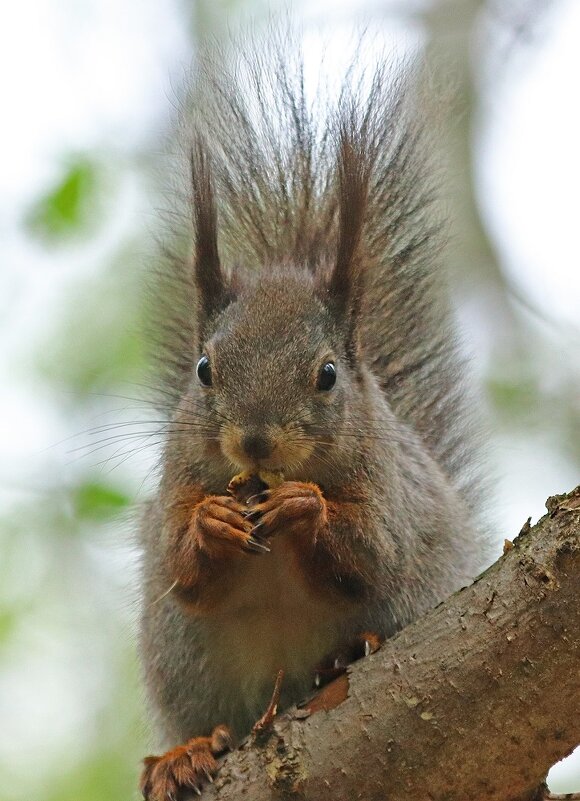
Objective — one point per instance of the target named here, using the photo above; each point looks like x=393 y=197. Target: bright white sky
x=529 y=168
x=99 y=75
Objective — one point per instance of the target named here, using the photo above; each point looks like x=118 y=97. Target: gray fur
x=398 y=423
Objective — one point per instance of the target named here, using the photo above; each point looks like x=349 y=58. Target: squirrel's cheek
x=211 y=447
x=294 y=452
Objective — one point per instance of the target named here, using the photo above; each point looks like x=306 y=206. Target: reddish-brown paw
x=293 y=506
x=187 y=767
x=221 y=530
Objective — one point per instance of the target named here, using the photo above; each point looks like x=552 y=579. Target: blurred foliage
x=97 y=501
x=111 y=763
x=54 y=574
x=98 y=342
x=55 y=591
x=73 y=207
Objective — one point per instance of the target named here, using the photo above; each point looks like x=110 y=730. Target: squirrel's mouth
x=276 y=451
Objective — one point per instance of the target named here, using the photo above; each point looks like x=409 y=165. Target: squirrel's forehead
x=264 y=335
x=272 y=318
x=269 y=337
x=279 y=295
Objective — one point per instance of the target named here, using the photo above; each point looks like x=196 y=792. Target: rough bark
x=477 y=700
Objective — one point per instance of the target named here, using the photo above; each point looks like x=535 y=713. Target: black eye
x=203 y=371
x=326 y=377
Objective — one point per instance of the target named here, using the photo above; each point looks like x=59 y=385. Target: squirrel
x=310 y=337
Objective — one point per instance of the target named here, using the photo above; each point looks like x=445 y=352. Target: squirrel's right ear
x=210 y=282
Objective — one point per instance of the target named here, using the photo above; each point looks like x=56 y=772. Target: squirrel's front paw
x=293 y=506
x=221 y=528
x=187 y=767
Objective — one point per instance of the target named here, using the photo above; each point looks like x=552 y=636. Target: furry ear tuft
x=353 y=176
x=209 y=278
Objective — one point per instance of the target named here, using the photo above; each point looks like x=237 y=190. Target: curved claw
x=184 y=769
x=260 y=497
x=256 y=546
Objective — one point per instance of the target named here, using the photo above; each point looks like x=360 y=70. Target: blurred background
x=89 y=91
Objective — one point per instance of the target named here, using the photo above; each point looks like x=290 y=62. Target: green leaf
x=70 y=207
x=513 y=397
x=96 y=501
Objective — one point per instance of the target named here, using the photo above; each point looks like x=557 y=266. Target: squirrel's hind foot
x=336 y=663
x=186 y=769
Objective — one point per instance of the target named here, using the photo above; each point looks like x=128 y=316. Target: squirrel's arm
x=206 y=537
x=331 y=538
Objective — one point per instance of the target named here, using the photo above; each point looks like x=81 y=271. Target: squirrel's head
x=278 y=372
x=274 y=373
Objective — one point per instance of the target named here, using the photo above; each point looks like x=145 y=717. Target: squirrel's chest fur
x=272 y=620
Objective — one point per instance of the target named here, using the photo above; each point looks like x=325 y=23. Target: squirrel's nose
x=256 y=446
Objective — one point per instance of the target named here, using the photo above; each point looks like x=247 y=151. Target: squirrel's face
x=277 y=371
x=272 y=377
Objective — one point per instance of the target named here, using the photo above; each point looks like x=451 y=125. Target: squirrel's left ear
x=345 y=286
x=212 y=288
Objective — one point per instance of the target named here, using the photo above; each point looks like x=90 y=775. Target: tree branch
x=477 y=700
